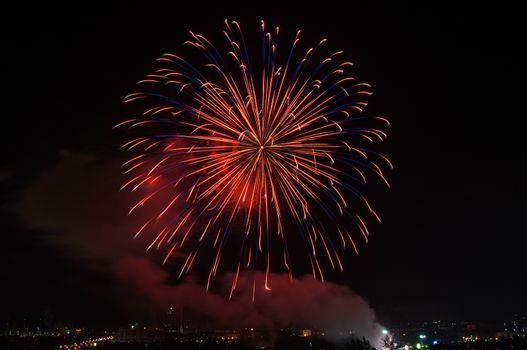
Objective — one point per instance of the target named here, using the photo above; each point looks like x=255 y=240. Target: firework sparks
x=236 y=150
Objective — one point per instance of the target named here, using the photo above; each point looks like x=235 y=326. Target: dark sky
x=452 y=244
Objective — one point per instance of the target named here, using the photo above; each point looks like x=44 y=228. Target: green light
x=418 y=346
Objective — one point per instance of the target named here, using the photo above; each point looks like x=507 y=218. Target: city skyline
x=174 y=327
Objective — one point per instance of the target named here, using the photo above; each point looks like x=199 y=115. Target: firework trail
x=237 y=150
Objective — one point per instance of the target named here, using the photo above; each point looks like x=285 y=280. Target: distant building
x=228 y=336
x=306 y=332
x=22 y=343
x=516 y=327
x=132 y=334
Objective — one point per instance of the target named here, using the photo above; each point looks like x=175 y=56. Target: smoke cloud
x=77 y=206
x=300 y=302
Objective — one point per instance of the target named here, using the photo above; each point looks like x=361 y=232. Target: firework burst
x=243 y=153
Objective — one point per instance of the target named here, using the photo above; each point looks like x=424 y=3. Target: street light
x=422 y=337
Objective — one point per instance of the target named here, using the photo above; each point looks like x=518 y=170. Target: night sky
x=452 y=243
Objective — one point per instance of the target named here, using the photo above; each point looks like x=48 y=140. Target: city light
x=384 y=331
